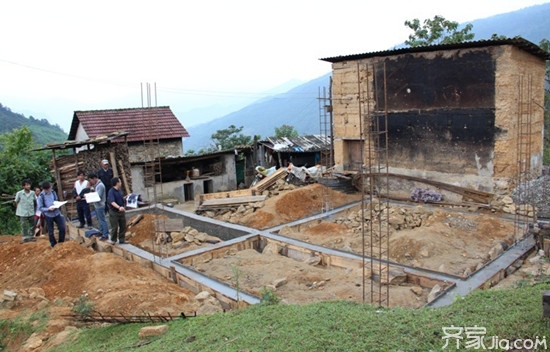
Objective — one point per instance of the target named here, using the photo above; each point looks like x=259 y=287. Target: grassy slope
x=335 y=326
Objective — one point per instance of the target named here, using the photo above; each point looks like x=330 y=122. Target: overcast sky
x=60 y=56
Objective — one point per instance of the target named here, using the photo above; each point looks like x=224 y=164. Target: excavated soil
x=446 y=240
x=142 y=235
x=450 y=242
x=298 y=282
x=296 y=204
x=54 y=279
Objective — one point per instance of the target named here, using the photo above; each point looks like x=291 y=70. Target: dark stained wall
x=441 y=113
x=464 y=80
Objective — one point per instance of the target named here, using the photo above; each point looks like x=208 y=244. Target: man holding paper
x=81 y=187
x=49 y=206
x=97 y=198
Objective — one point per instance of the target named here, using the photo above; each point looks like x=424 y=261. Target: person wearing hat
x=105 y=174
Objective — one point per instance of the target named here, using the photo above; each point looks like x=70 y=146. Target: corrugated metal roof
x=141 y=123
x=310 y=143
x=517 y=42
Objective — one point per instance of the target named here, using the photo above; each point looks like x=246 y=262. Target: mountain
x=228 y=104
x=43 y=132
x=531 y=23
x=299 y=107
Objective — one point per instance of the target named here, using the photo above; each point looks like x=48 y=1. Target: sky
x=58 y=56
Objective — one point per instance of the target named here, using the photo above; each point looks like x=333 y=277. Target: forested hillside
x=43 y=132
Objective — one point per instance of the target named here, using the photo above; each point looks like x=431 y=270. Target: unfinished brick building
x=466 y=114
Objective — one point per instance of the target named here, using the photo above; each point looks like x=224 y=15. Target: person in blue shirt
x=117 y=212
x=99 y=207
x=52 y=214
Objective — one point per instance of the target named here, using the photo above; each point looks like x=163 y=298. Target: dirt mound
x=143 y=230
x=70 y=270
x=57 y=280
x=291 y=205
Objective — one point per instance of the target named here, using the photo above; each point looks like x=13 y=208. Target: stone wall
x=519 y=80
x=452 y=116
x=140 y=152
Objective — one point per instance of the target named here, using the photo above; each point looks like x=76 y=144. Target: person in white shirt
x=81 y=187
x=24 y=200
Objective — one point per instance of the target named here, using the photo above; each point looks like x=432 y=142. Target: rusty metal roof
x=517 y=42
x=141 y=123
x=301 y=144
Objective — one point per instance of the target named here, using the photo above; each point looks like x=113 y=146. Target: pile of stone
x=506 y=204
x=523 y=199
x=233 y=214
x=398 y=218
x=185 y=237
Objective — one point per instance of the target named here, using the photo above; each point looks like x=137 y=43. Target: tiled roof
x=142 y=124
x=517 y=42
x=311 y=143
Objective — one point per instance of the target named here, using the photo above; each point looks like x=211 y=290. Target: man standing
x=51 y=213
x=81 y=187
x=117 y=212
x=24 y=201
x=105 y=174
x=99 y=206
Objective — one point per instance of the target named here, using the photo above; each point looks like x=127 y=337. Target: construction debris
x=269 y=181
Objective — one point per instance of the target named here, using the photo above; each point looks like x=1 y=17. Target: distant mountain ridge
x=43 y=132
x=531 y=23
x=299 y=107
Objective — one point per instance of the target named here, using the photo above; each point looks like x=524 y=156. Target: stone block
x=148 y=331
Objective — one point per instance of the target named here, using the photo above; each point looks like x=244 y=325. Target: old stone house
x=150 y=134
x=144 y=125
x=467 y=114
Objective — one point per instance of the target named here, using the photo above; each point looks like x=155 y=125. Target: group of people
x=34 y=207
x=31 y=207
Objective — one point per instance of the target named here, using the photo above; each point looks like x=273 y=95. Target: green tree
x=498 y=36
x=17 y=162
x=437 y=31
x=229 y=138
x=286 y=131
